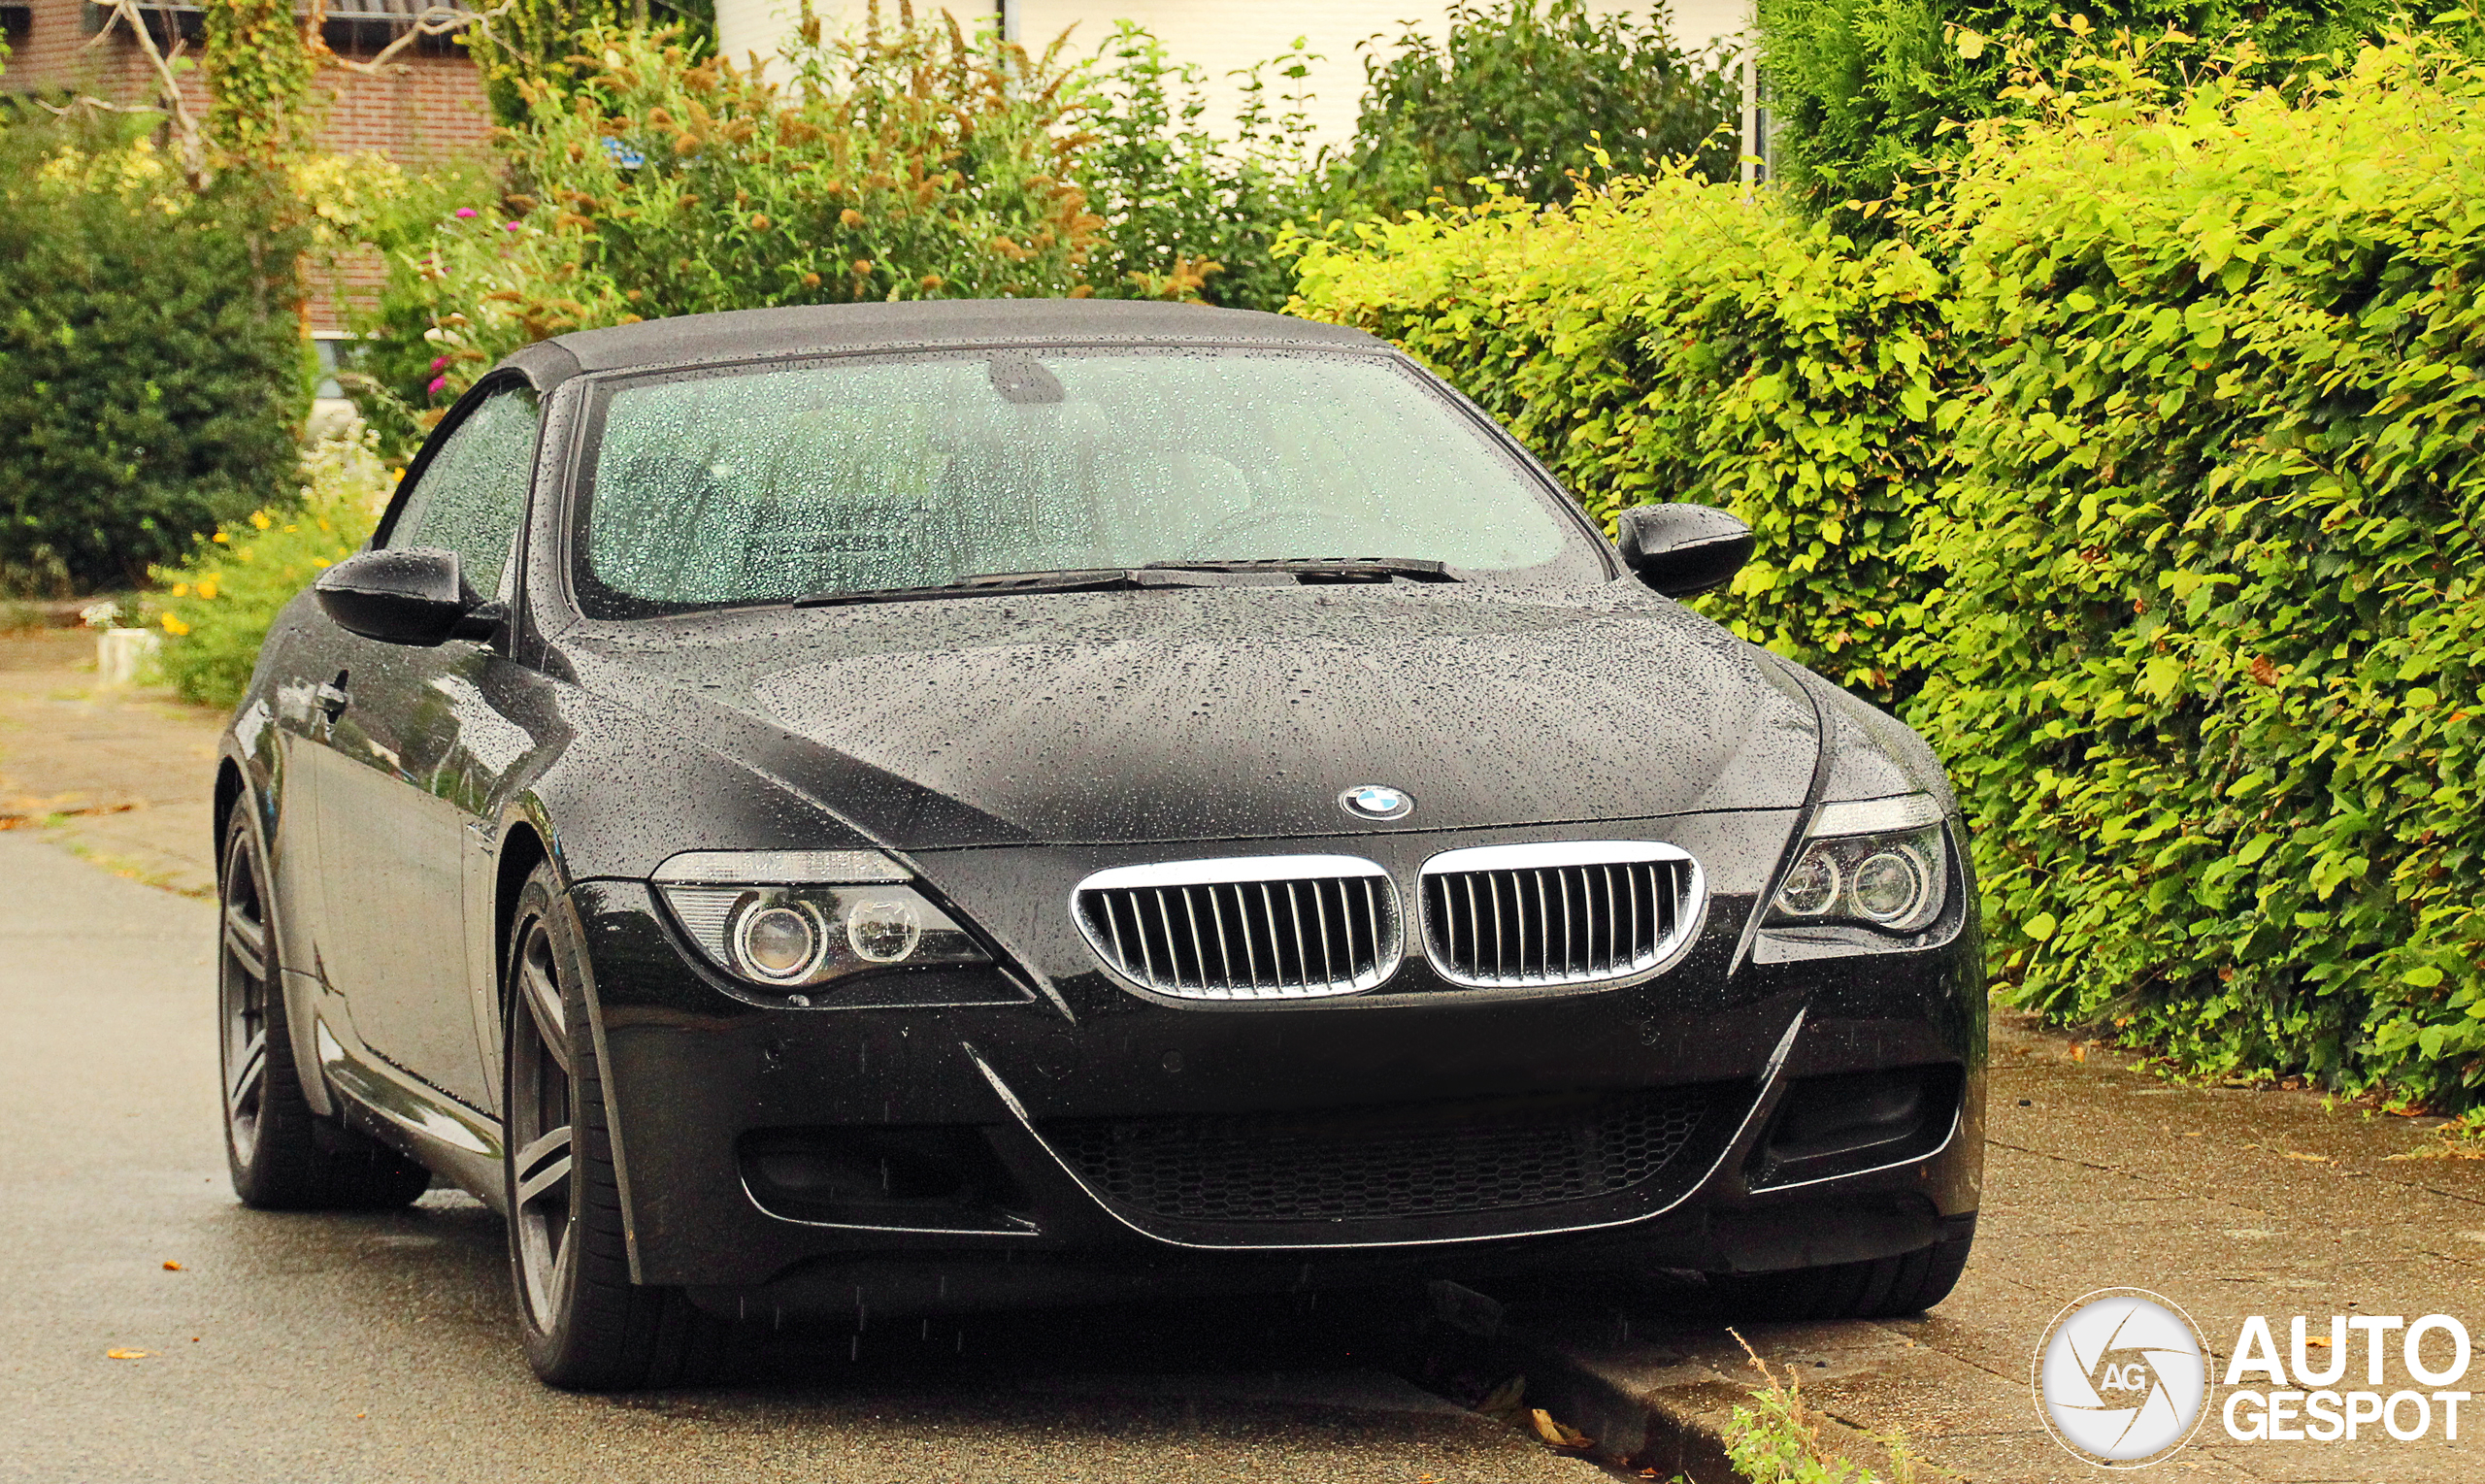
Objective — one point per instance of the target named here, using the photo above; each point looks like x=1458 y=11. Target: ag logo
x=2122 y=1378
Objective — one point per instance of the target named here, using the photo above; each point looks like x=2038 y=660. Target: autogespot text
x=2311 y=1393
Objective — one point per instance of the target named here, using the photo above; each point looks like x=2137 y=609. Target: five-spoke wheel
x=282 y=1156
x=583 y=1323
x=542 y=1197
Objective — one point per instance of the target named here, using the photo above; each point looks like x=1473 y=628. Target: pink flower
x=465 y=212
x=441 y=365
x=509 y=226
x=437 y=383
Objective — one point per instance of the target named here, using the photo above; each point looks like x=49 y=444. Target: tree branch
x=433 y=20
x=187 y=137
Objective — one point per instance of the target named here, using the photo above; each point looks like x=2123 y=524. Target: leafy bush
x=1185 y=212
x=215 y=608
x=897 y=163
x=152 y=366
x=2210 y=651
x=1666 y=339
x=2189 y=595
x=1526 y=99
x=1860 y=89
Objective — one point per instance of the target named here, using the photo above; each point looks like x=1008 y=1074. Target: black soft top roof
x=762 y=334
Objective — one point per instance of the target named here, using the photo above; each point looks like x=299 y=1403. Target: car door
x=412 y=754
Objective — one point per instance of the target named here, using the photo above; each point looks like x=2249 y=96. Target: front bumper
x=698 y=1075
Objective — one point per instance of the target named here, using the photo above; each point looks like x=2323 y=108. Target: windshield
x=757 y=485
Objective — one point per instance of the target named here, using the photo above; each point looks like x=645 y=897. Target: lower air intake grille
x=1569 y=913
x=1364 y=1163
x=1280 y=926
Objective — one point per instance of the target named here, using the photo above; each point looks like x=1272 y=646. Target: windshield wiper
x=1335 y=569
x=1000 y=584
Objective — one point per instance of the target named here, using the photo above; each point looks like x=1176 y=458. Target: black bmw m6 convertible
x=921 y=806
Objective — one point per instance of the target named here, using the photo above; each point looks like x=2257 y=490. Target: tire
x=1885 y=1288
x=282 y=1156
x=585 y=1325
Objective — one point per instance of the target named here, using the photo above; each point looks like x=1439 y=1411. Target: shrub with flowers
x=900 y=161
x=215 y=608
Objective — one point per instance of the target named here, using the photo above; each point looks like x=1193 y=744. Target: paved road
x=316 y=1348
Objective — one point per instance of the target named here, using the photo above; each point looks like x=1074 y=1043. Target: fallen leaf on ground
x=125 y=1355
x=2079 y=1051
x=171 y=1267
x=2323 y=1340
x=1501 y=1398
x=2442 y=1151
x=2310 y=1159
x=1556 y=1435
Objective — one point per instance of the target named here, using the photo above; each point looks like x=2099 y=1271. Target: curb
x=1672 y=1430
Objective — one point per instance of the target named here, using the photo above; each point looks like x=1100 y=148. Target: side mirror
x=1683 y=549
x=415 y=596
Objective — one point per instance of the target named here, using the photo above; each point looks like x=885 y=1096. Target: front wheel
x=585 y=1325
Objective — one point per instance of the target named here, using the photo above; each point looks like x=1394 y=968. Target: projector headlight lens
x=792 y=934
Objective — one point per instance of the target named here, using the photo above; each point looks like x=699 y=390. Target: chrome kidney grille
x=1280 y=926
x=1574 y=913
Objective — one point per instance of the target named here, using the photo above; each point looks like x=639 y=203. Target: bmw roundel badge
x=1375 y=800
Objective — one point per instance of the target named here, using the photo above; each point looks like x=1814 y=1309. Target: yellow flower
x=206 y=588
x=222 y=537
x=260 y=520
x=180 y=589
x=289 y=530
x=175 y=627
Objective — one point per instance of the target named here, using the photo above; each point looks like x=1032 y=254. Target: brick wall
x=430 y=107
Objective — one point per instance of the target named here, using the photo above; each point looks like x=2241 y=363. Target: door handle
x=332 y=699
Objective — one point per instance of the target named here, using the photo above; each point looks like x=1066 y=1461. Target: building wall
x=427 y=109
x=1220 y=35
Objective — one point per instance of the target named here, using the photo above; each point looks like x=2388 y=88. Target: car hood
x=1226 y=713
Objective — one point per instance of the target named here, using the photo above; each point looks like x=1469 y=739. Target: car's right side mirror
x=1682 y=549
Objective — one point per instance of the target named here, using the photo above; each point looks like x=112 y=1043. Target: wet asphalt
x=354 y=1347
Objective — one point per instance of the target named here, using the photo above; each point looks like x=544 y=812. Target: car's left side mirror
x=414 y=596
x=1682 y=549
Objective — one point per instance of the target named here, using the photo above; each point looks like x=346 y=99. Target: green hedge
x=151 y=369
x=2162 y=496
x=1862 y=90
x=2210 y=660
x=1665 y=340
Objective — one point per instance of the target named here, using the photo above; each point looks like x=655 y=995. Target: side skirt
x=456 y=1142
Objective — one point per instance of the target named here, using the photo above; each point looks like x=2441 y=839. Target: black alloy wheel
x=585 y=1325
x=282 y=1155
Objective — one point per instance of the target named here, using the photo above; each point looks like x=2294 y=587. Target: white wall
x=1220 y=35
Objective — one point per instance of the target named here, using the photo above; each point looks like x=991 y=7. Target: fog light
x=777 y=942
x=883 y=931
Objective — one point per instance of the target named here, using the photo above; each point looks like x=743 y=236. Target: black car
x=900 y=808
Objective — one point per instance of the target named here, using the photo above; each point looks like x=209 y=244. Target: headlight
x=1883 y=863
x=789 y=919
